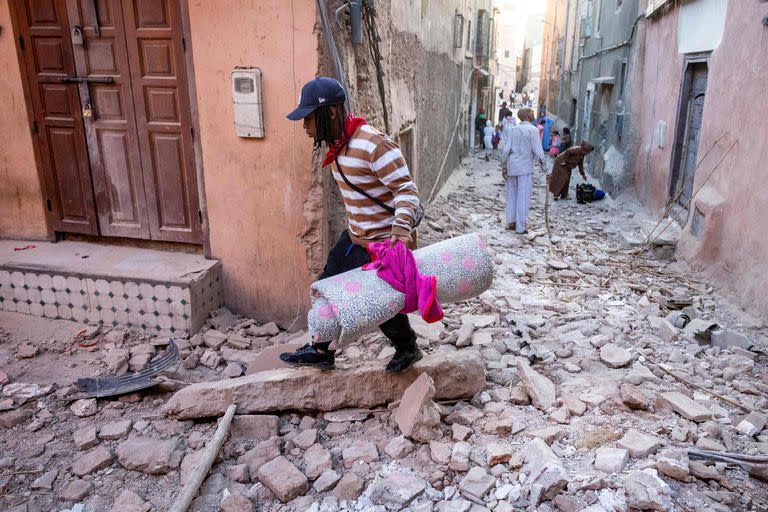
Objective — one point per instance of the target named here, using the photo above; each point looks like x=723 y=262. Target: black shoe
x=308 y=355
x=401 y=361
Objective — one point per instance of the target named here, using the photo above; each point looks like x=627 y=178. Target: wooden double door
x=108 y=87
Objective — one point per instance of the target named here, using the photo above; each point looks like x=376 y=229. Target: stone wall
x=423 y=78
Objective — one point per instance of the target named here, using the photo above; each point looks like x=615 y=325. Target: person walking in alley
x=380 y=197
x=560 y=178
x=503 y=111
x=480 y=124
x=565 y=141
x=523 y=149
x=554 y=147
x=488 y=132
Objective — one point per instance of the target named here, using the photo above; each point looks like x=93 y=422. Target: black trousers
x=346 y=255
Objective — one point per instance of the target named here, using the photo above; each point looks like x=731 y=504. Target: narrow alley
x=591 y=400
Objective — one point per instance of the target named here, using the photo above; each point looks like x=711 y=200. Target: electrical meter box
x=247 y=102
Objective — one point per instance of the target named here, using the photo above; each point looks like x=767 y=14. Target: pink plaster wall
x=21 y=204
x=255 y=188
x=734 y=249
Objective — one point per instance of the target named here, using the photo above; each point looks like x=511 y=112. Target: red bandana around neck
x=350 y=126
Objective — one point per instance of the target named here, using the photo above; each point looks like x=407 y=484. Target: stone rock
x=702 y=471
x=465 y=415
x=477 y=483
x=359 y=451
x=254 y=427
x=464 y=334
x=116 y=360
x=268 y=329
x=440 y=452
x=191 y=361
x=560 y=415
x=460 y=432
x=460 y=456
x=238 y=342
x=16 y=417
x=519 y=395
x=149 y=455
x=686 y=407
x=84 y=407
x=326 y=481
x=232 y=370
x=336 y=429
x=417 y=416
x=456 y=375
x=239 y=473
x=26 y=351
x=610 y=460
x=638 y=444
x=214 y=339
x=139 y=361
x=260 y=455
x=76 y=490
x=115 y=430
x=45 y=481
x=85 y=438
x=544 y=468
x=397 y=489
x=482 y=339
x=345 y=415
x=211 y=359
x=188 y=464
x=283 y=479
x=498 y=453
x=349 y=487
x=646 y=491
x=236 y=502
x=425 y=330
x=575 y=406
x=539 y=388
x=305 y=439
x=614 y=356
x=129 y=501
x=708 y=444
x=399 y=447
x=673 y=468
x=91 y=461
x=752 y=424
x=548 y=434
x=633 y=397
x=316 y=462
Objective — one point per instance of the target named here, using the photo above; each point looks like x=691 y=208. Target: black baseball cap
x=316 y=93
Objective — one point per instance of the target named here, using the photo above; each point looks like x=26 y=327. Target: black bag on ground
x=584 y=193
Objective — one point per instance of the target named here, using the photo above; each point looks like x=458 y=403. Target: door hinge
x=183 y=44
x=200 y=216
x=21 y=42
x=34 y=127
x=48 y=203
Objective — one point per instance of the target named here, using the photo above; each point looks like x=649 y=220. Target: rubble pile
x=583 y=391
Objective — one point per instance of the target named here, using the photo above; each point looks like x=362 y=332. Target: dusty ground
x=560 y=301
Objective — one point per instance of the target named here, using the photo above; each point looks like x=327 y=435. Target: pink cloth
x=397 y=266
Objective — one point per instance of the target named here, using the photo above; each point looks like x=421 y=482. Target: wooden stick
x=189 y=491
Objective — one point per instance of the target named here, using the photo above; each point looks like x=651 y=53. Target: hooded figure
x=488 y=132
x=561 y=170
x=507 y=123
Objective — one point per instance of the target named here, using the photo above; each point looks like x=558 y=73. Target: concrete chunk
x=283 y=479
x=456 y=375
x=540 y=388
x=544 y=468
x=686 y=407
x=639 y=445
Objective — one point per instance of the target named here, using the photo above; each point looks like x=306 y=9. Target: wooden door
x=47 y=53
x=110 y=128
x=114 y=113
x=694 y=116
x=156 y=54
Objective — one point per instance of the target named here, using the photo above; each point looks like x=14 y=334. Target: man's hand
x=549 y=179
x=394 y=239
x=504 y=173
x=584 y=176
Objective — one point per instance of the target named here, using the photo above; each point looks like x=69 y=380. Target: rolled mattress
x=349 y=305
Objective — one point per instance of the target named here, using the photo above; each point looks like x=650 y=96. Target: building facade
x=653 y=85
x=161 y=125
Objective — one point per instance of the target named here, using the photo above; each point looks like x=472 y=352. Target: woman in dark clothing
x=571 y=158
x=566 y=141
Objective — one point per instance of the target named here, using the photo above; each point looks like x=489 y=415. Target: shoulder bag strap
x=361 y=191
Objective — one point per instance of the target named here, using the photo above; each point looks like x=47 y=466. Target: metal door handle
x=88 y=80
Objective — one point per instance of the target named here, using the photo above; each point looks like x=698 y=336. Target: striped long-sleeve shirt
x=373 y=162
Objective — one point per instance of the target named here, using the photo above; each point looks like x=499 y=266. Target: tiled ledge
x=157 y=291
